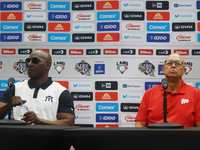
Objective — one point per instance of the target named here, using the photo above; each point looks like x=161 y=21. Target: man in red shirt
x=183 y=101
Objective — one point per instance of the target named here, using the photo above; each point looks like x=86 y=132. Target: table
x=133 y=138
x=33 y=137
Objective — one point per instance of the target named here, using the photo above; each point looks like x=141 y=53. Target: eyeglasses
x=34 y=60
x=170 y=63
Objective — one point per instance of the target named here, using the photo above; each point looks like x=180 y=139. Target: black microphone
x=165 y=83
x=11 y=82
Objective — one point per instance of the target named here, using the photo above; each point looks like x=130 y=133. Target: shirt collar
x=42 y=86
x=181 y=89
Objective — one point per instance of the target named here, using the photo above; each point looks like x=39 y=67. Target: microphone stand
x=165 y=124
x=10 y=120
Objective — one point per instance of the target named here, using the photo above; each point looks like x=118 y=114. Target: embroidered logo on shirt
x=49 y=98
x=184 y=101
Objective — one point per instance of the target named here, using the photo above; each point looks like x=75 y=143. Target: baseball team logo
x=20 y=67
x=147 y=68
x=83 y=67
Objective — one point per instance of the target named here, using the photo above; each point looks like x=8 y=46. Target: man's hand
x=16 y=101
x=30 y=117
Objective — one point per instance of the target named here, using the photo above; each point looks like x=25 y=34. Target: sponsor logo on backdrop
x=34 y=5
x=110 y=51
x=128 y=51
x=83 y=107
x=82 y=96
x=132 y=26
x=183 y=5
x=188 y=66
x=197 y=85
x=59 y=27
x=163 y=52
x=128 y=118
x=107 y=107
x=59 y=66
x=131 y=86
x=1 y=65
x=183 y=26
x=93 y=51
x=11 y=6
x=86 y=118
x=158 y=16
x=132 y=5
x=59 y=51
x=86 y=16
x=8 y=51
x=11 y=16
x=107 y=117
x=83 y=27
x=145 y=51
x=75 y=51
x=122 y=66
x=11 y=26
x=184 y=37
x=183 y=16
x=4 y=84
x=160 y=72
x=107 y=5
x=106 y=85
x=147 y=68
x=132 y=15
x=37 y=16
x=158 y=27
x=35 y=26
x=34 y=37
x=182 y=51
x=154 y=5
x=99 y=68
x=64 y=83
x=151 y=84
x=62 y=37
x=130 y=107
x=114 y=15
x=81 y=86
x=132 y=37
x=133 y=97
x=11 y=37
x=59 y=16
x=106 y=96
x=108 y=26
x=83 y=5
x=196 y=52
x=152 y=37
x=83 y=67
x=24 y=51
x=108 y=37
x=21 y=67
x=47 y=50
x=84 y=37
x=59 y=6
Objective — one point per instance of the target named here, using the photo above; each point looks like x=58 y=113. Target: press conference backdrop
x=107 y=53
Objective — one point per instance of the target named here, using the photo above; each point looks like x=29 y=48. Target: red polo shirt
x=183 y=106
